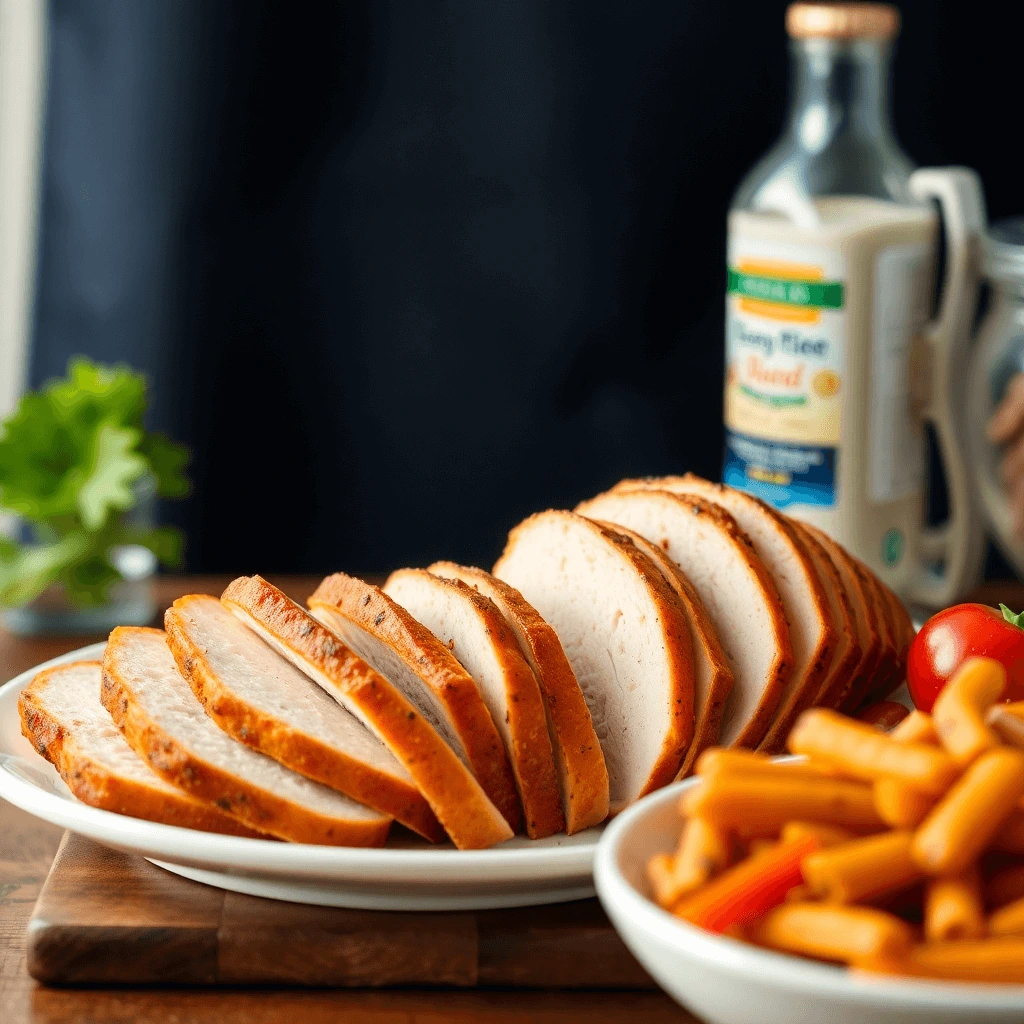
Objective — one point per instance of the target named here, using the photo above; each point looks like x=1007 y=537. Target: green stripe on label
x=779 y=401
x=822 y=294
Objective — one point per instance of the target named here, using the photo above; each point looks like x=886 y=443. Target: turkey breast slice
x=62 y=716
x=411 y=658
x=735 y=587
x=264 y=701
x=712 y=677
x=473 y=629
x=902 y=631
x=813 y=629
x=848 y=650
x=836 y=688
x=165 y=724
x=458 y=800
x=583 y=775
x=887 y=665
x=625 y=634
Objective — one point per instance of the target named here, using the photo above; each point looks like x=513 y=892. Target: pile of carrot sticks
x=896 y=853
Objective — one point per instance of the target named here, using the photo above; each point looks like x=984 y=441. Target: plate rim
x=273 y=858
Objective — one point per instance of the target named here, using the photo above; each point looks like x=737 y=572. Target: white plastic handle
x=959 y=544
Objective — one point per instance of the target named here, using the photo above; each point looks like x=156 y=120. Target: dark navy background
x=404 y=272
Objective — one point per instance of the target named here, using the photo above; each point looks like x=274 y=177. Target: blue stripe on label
x=781 y=474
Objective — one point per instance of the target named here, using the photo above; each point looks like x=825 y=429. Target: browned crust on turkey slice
x=676 y=630
x=529 y=748
x=578 y=755
x=848 y=652
x=708 y=716
x=457 y=799
x=798 y=693
x=182 y=768
x=802 y=696
x=902 y=635
x=372 y=610
x=275 y=737
x=886 y=666
x=904 y=629
x=96 y=785
x=778 y=673
x=837 y=686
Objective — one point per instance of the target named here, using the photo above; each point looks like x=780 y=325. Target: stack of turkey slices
x=607 y=648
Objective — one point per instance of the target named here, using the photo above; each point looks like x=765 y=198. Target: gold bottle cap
x=842 y=21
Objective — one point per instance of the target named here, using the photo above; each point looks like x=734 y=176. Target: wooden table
x=27 y=847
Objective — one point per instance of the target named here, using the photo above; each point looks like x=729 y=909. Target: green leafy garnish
x=73 y=456
x=1012 y=617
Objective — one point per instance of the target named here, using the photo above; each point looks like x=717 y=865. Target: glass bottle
x=831 y=253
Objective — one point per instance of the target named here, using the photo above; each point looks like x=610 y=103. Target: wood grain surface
x=109 y=917
x=28 y=847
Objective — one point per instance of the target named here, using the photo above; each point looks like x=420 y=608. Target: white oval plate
x=728 y=982
x=407 y=874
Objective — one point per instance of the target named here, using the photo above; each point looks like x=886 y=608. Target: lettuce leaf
x=72 y=455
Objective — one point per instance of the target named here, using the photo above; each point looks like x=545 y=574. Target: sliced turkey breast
x=473 y=629
x=625 y=634
x=458 y=800
x=848 y=651
x=583 y=775
x=902 y=631
x=264 y=701
x=733 y=584
x=411 y=658
x=712 y=676
x=62 y=716
x=813 y=629
x=888 y=657
x=837 y=686
x=165 y=724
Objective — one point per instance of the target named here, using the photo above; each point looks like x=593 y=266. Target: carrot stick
x=862 y=869
x=993 y=960
x=749 y=889
x=1008 y=920
x=761 y=806
x=661 y=875
x=827 y=835
x=833 y=933
x=917 y=727
x=866 y=752
x=959 y=711
x=965 y=820
x=722 y=761
x=953 y=907
x=901 y=805
x=1015 y=708
x=703 y=852
x=1006 y=724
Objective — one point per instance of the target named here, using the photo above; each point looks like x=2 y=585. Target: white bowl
x=727 y=982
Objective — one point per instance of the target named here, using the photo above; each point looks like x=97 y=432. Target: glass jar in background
x=998 y=357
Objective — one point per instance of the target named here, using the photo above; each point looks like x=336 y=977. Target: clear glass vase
x=132 y=602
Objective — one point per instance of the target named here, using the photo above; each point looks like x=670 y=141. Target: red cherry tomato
x=952 y=636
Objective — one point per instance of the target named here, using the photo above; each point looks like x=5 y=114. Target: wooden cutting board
x=105 y=917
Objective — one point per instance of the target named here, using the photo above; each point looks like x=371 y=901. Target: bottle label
x=902 y=276
x=784 y=370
